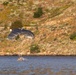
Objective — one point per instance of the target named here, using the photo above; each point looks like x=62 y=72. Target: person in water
x=21 y=59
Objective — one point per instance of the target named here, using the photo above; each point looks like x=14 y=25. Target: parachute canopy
x=17 y=32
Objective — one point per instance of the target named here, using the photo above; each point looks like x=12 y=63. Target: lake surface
x=38 y=65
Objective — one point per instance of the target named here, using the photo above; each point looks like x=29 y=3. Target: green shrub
x=34 y=48
x=73 y=36
x=17 y=37
x=38 y=13
x=5 y=3
x=16 y=24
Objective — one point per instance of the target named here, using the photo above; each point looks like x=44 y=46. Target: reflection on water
x=38 y=65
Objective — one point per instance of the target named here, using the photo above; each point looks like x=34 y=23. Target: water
x=38 y=65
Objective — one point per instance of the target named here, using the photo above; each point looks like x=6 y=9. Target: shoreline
x=37 y=55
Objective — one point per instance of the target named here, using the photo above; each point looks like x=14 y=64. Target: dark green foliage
x=16 y=24
x=73 y=36
x=5 y=3
x=34 y=48
x=38 y=13
x=17 y=37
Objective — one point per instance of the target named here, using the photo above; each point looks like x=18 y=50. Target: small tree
x=73 y=36
x=16 y=24
x=17 y=37
x=5 y=3
x=34 y=48
x=38 y=13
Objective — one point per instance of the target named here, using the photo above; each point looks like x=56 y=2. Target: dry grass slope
x=52 y=29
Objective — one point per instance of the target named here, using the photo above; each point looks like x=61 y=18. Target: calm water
x=38 y=65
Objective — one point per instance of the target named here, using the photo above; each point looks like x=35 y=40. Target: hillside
x=53 y=23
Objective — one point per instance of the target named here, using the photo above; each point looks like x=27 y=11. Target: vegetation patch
x=5 y=3
x=73 y=36
x=38 y=13
x=17 y=37
x=34 y=48
x=16 y=24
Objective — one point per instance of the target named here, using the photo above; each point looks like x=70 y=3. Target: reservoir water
x=38 y=65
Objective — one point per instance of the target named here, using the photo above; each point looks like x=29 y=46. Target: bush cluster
x=5 y=3
x=17 y=37
x=38 y=13
x=73 y=36
x=34 y=48
x=16 y=24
